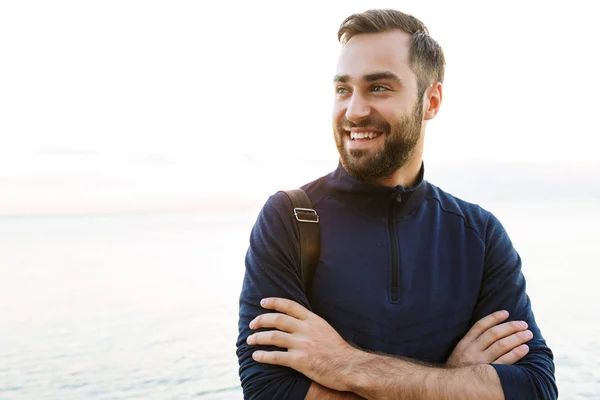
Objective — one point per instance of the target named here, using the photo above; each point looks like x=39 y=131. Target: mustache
x=366 y=123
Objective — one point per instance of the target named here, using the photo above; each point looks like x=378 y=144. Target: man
x=406 y=270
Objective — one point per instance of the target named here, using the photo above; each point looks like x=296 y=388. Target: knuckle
x=479 y=326
x=497 y=316
x=294 y=358
x=304 y=343
x=497 y=348
x=503 y=346
x=516 y=325
x=524 y=349
x=482 y=323
x=516 y=353
x=495 y=332
x=525 y=335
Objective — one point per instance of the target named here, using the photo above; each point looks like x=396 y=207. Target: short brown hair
x=426 y=56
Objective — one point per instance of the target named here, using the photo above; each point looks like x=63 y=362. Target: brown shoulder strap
x=310 y=240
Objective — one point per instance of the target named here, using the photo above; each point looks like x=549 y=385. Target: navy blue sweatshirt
x=402 y=271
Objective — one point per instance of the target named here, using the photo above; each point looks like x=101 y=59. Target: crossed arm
x=340 y=371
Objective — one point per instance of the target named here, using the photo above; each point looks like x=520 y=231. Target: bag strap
x=308 y=228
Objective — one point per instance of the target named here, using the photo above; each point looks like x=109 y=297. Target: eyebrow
x=375 y=76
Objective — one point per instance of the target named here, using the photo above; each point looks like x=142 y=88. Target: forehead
x=371 y=52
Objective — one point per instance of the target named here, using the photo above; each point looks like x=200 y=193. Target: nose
x=358 y=108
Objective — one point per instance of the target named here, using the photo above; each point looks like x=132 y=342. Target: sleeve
x=503 y=287
x=272 y=270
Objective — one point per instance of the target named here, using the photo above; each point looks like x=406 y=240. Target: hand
x=315 y=349
x=487 y=342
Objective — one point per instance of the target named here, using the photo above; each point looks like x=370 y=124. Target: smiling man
x=417 y=294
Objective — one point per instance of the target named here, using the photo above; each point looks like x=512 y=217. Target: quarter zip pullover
x=403 y=271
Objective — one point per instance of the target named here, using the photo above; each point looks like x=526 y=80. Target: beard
x=400 y=141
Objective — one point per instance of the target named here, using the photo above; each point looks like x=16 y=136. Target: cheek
x=393 y=117
x=338 y=113
x=387 y=111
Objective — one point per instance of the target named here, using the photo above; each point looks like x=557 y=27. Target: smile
x=364 y=135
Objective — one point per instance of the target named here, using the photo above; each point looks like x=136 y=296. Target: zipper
x=394 y=245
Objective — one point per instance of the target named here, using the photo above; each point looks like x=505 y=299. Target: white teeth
x=363 y=135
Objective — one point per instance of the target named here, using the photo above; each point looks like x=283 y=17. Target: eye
x=340 y=90
x=379 y=88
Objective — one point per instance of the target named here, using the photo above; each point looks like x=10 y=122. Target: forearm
x=375 y=376
x=318 y=392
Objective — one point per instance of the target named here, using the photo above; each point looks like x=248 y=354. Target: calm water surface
x=145 y=306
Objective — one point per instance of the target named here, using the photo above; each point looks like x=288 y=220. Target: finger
x=514 y=355
x=484 y=324
x=286 y=306
x=498 y=332
x=278 y=321
x=272 y=357
x=270 y=338
x=507 y=344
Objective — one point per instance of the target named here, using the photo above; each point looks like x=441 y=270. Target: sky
x=141 y=103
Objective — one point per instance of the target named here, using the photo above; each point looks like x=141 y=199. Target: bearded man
x=417 y=294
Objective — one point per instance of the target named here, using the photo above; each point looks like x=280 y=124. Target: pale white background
x=129 y=106
x=143 y=105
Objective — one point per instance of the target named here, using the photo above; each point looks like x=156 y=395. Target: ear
x=432 y=101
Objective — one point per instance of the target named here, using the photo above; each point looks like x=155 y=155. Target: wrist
x=354 y=363
x=355 y=376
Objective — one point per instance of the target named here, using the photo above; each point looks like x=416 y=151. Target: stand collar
x=406 y=199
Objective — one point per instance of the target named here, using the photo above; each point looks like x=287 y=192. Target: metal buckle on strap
x=306 y=215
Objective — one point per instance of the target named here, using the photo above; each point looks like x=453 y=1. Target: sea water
x=144 y=306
